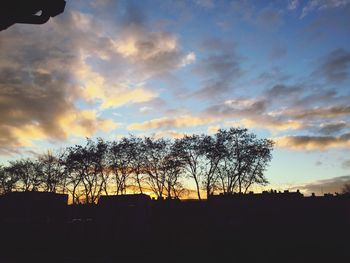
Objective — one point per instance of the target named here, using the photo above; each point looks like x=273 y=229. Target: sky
x=109 y=68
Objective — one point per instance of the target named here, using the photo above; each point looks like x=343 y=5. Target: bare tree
x=137 y=160
x=53 y=172
x=86 y=168
x=26 y=173
x=7 y=181
x=156 y=151
x=173 y=169
x=260 y=156
x=121 y=159
x=212 y=152
x=189 y=150
x=73 y=162
x=244 y=162
x=230 y=160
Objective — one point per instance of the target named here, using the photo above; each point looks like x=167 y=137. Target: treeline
x=229 y=161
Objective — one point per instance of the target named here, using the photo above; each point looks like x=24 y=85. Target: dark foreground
x=249 y=228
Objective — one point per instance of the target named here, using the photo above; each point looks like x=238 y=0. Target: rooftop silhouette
x=134 y=225
x=29 y=11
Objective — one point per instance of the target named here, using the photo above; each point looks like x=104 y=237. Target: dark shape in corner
x=29 y=11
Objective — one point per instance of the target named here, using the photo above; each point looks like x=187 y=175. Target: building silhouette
x=250 y=226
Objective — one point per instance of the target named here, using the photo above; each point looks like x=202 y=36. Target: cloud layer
x=47 y=73
x=320 y=187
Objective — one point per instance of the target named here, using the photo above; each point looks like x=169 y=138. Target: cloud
x=270 y=77
x=242 y=106
x=317 y=5
x=204 y=3
x=307 y=103
x=320 y=187
x=278 y=52
x=281 y=91
x=218 y=70
x=319 y=112
x=97 y=87
x=287 y=107
x=271 y=123
x=304 y=96
x=116 y=75
x=101 y=60
x=169 y=134
x=244 y=9
x=40 y=82
x=145 y=109
x=112 y=95
x=220 y=66
x=154 y=105
x=318 y=163
x=346 y=164
x=37 y=106
x=170 y=123
x=151 y=53
x=293 y=4
x=332 y=128
x=335 y=66
x=269 y=18
x=250 y=113
x=313 y=142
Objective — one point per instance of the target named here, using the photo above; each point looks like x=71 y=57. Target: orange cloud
x=271 y=124
x=175 y=122
x=169 y=134
x=140 y=45
x=96 y=88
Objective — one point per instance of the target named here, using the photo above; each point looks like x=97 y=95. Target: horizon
x=106 y=69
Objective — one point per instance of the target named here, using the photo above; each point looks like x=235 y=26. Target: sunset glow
x=167 y=68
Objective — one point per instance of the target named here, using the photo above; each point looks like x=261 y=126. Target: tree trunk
x=139 y=183
x=198 y=190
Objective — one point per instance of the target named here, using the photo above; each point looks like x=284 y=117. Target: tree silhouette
x=120 y=157
x=87 y=173
x=156 y=151
x=244 y=161
x=173 y=168
x=189 y=150
x=229 y=161
x=137 y=158
x=26 y=174
x=7 y=180
x=213 y=151
x=52 y=172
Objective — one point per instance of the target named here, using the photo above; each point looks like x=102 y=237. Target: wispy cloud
x=269 y=18
x=171 y=122
x=169 y=134
x=251 y=113
x=320 y=187
x=217 y=70
x=314 y=142
x=332 y=128
x=317 y=5
x=205 y=3
x=293 y=4
x=335 y=66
